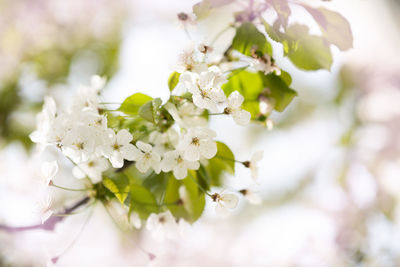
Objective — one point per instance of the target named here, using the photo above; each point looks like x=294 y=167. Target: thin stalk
x=69 y=189
x=228 y=159
x=201 y=187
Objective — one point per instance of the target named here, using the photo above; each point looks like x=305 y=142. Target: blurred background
x=330 y=177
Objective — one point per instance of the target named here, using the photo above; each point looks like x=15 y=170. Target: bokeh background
x=330 y=178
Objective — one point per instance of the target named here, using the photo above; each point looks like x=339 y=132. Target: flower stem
x=68 y=189
x=213 y=114
x=228 y=159
x=200 y=186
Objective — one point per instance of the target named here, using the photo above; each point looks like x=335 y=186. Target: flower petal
x=208 y=148
x=144 y=146
x=124 y=137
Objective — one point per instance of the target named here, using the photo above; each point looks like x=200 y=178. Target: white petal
x=116 y=159
x=49 y=170
x=156 y=162
x=208 y=148
x=257 y=156
x=169 y=162
x=199 y=101
x=97 y=82
x=151 y=222
x=253 y=198
x=144 y=146
x=218 y=95
x=46 y=215
x=180 y=172
x=254 y=171
x=124 y=137
x=241 y=117
x=143 y=165
x=78 y=173
x=191 y=153
x=135 y=220
x=130 y=152
x=235 y=100
x=230 y=200
x=192 y=165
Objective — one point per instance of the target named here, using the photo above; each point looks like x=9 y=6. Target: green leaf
x=278 y=90
x=253 y=85
x=248 y=37
x=224 y=161
x=203 y=8
x=193 y=203
x=272 y=33
x=308 y=52
x=173 y=80
x=246 y=83
x=132 y=104
x=149 y=110
x=285 y=76
x=142 y=201
x=119 y=187
x=334 y=27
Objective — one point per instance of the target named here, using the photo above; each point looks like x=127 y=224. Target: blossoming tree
x=160 y=159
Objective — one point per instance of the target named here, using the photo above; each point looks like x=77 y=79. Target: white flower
x=234 y=103
x=164 y=141
x=44 y=208
x=49 y=170
x=252 y=164
x=119 y=148
x=146 y=158
x=79 y=144
x=135 y=220
x=225 y=203
x=191 y=59
x=190 y=115
x=162 y=225
x=87 y=97
x=187 y=116
x=91 y=118
x=93 y=168
x=173 y=160
x=44 y=120
x=198 y=142
x=252 y=197
x=205 y=87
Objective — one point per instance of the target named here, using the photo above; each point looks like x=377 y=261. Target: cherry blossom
x=88 y=96
x=205 y=87
x=234 y=103
x=197 y=143
x=44 y=208
x=118 y=147
x=135 y=220
x=162 y=225
x=251 y=196
x=173 y=160
x=146 y=158
x=225 y=203
x=252 y=164
x=92 y=168
x=48 y=171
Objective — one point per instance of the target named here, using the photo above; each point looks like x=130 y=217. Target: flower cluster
x=153 y=145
